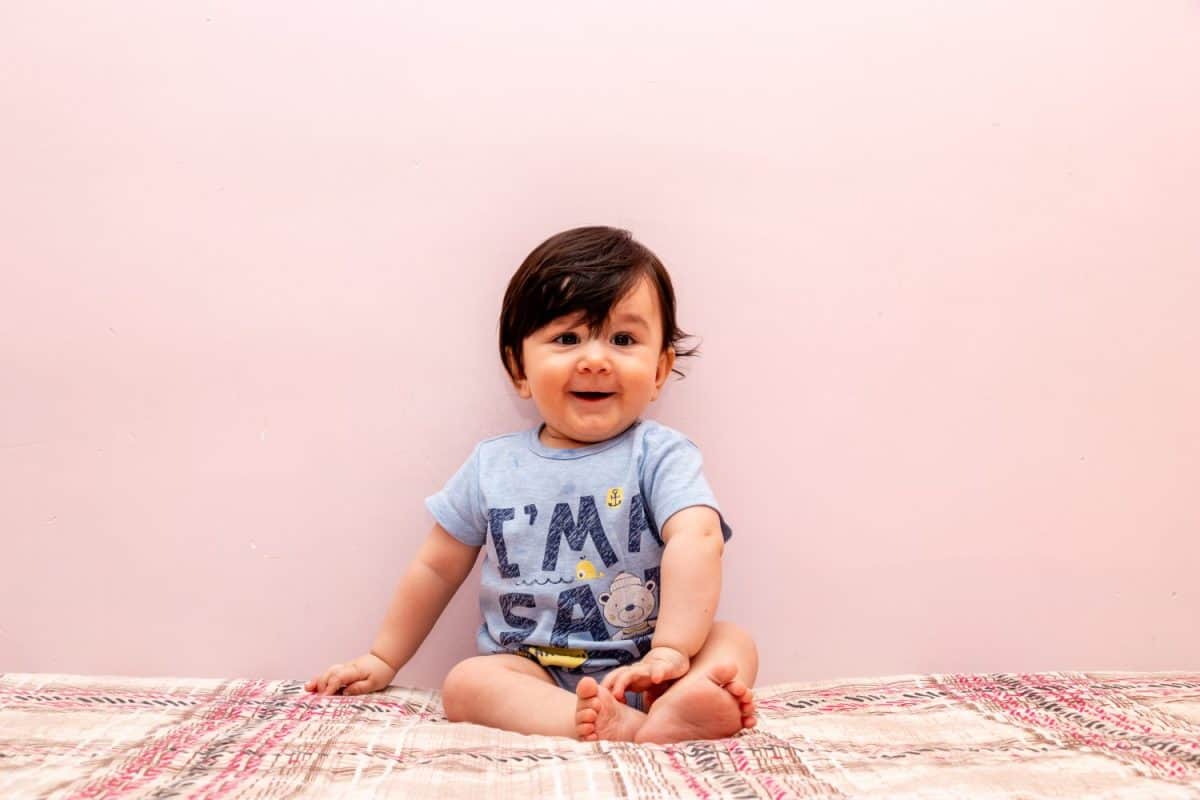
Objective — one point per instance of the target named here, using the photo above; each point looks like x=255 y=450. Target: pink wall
x=945 y=260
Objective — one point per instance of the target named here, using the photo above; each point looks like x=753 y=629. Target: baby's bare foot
x=709 y=706
x=598 y=715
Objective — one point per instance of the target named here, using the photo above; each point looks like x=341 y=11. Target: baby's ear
x=666 y=362
x=519 y=381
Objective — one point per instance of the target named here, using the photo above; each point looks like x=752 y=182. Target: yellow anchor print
x=615 y=496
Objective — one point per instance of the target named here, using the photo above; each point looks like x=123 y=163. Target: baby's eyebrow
x=636 y=319
x=572 y=320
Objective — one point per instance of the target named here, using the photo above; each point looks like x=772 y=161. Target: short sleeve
x=673 y=478
x=458 y=507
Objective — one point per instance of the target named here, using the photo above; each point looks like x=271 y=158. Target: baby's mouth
x=593 y=396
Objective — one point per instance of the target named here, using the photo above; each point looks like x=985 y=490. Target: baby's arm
x=423 y=593
x=691 y=579
x=691 y=586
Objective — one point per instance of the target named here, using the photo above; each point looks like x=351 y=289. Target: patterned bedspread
x=1061 y=734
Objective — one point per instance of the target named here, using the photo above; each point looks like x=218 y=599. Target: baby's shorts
x=569 y=680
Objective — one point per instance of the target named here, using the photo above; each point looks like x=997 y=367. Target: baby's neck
x=556 y=441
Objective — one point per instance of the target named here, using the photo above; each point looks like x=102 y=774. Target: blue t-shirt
x=570 y=575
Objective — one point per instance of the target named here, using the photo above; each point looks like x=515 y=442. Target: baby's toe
x=745 y=698
x=587 y=689
x=723 y=674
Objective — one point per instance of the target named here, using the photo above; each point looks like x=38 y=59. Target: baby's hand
x=660 y=665
x=365 y=674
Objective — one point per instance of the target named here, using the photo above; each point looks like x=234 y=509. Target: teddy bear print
x=628 y=604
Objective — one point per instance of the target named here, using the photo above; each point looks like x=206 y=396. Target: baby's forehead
x=636 y=307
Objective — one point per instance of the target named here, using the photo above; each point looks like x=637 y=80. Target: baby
x=602 y=540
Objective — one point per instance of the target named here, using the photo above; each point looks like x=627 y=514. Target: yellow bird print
x=587 y=571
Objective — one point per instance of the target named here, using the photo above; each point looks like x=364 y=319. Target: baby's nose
x=593 y=357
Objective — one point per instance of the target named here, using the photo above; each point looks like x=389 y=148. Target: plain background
x=944 y=259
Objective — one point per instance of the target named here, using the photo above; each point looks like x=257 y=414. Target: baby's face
x=587 y=388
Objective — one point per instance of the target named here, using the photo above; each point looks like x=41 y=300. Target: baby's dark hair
x=583 y=270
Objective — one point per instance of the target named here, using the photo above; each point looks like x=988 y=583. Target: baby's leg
x=509 y=692
x=512 y=693
x=713 y=699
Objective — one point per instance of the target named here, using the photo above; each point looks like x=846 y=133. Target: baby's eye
x=567 y=338
x=622 y=339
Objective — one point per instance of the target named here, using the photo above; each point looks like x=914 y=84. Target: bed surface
x=1061 y=734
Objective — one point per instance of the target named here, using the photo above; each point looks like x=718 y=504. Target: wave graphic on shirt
x=585 y=571
x=544 y=581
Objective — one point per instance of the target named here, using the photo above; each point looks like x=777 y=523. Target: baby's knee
x=459 y=687
x=733 y=633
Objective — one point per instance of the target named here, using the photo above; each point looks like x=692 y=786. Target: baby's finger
x=611 y=678
x=621 y=683
x=337 y=679
x=353 y=674
x=359 y=687
x=326 y=677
